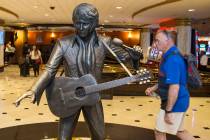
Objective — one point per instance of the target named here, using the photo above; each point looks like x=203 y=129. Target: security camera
x=203 y=22
x=52 y=7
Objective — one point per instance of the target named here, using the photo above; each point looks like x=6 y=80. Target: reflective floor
x=122 y=113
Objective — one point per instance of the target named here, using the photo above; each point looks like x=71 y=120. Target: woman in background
x=36 y=59
x=9 y=51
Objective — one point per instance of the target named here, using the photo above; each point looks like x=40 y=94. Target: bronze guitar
x=66 y=95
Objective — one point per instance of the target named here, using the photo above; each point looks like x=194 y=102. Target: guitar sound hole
x=80 y=92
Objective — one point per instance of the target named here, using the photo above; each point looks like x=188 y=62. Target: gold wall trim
x=153 y=6
x=145 y=30
x=183 y=22
x=8 y=11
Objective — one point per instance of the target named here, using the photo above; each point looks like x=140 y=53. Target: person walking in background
x=36 y=60
x=25 y=67
x=26 y=49
x=171 y=88
x=203 y=61
x=9 y=51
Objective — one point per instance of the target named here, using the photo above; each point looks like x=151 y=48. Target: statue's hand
x=28 y=94
x=136 y=53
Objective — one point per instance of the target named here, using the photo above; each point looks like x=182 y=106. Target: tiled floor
x=135 y=111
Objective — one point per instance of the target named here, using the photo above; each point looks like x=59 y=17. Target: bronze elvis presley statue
x=82 y=53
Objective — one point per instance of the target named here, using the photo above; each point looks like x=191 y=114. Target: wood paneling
x=45 y=37
x=129 y=38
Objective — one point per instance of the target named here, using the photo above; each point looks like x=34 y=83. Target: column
x=184 y=33
x=1 y=49
x=22 y=37
x=145 y=42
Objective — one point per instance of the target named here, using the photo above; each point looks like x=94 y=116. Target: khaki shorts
x=178 y=123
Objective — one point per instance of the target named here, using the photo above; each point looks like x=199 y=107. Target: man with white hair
x=172 y=89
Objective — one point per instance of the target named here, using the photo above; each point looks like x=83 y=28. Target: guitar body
x=66 y=95
x=62 y=98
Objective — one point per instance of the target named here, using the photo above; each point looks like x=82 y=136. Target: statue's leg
x=95 y=119
x=67 y=126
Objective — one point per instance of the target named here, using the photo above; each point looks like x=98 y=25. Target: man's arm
x=173 y=75
x=172 y=96
x=127 y=56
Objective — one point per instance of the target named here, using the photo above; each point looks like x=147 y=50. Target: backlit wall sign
x=204 y=38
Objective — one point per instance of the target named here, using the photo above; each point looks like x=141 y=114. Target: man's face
x=83 y=28
x=161 y=41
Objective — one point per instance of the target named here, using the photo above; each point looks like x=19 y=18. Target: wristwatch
x=166 y=111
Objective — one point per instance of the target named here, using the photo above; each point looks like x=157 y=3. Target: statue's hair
x=87 y=12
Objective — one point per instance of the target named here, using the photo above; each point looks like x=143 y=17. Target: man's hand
x=168 y=118
x=28 y=94
x=150 y=91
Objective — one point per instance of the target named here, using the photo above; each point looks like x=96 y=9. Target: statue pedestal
x=48 y=131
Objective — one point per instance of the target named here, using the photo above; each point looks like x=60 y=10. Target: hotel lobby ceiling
x=112 y=12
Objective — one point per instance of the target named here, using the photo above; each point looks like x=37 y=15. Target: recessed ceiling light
x=119 y=7
x=191 y=10
x=35 y=6
x=46 y=15
x=106 y=21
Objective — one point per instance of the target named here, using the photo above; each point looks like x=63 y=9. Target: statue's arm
x=120 y=51
x=48 y=75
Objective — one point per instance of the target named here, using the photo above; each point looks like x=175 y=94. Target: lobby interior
x=129 y=114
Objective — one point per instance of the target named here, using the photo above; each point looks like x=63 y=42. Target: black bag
x=193 y=75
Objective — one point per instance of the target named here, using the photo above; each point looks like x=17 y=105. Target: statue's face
x=83 y=27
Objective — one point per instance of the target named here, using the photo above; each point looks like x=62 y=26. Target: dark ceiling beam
x=103 y=26
x=153 y=6
x=50 y=25
x=9 y=12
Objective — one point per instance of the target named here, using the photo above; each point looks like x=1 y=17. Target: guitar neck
x=108 y=85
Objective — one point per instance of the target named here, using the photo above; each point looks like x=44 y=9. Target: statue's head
x=85 y=18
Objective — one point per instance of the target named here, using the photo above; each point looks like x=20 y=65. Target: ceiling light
x=106 y=21
x=46 y=15
x=191 y=10
x=119 y=7
x=35 y=6
x=52 y=35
